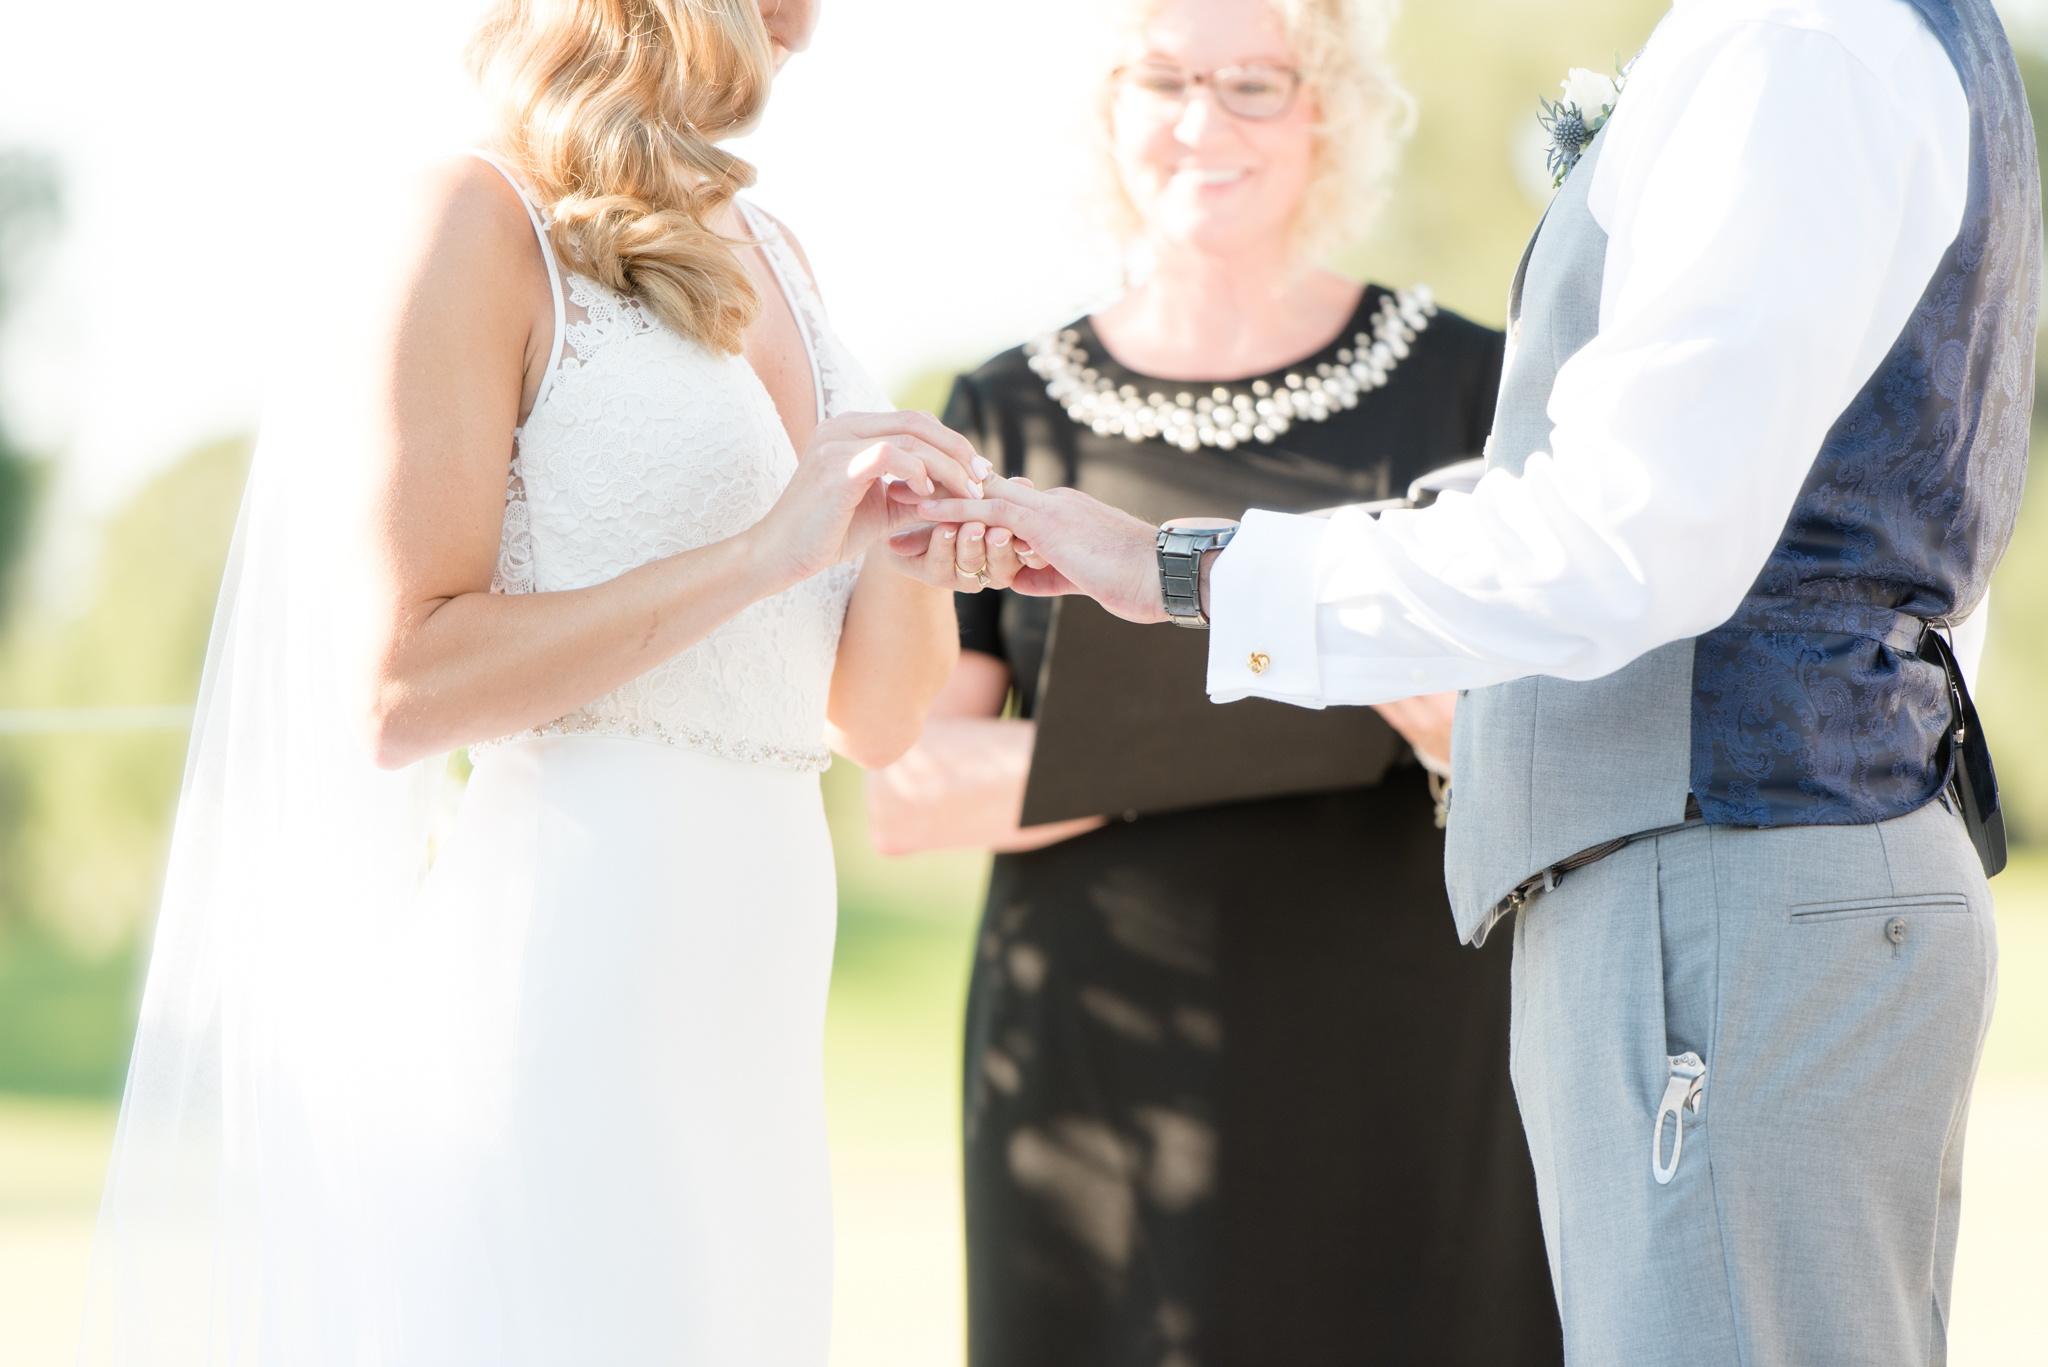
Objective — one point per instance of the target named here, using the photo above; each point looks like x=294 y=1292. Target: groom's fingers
x=1038 y=581
x=1010 y=503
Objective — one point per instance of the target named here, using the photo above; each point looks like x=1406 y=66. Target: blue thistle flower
x=1566 y=124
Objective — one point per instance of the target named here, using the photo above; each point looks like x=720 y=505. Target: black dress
x=1235 y=1094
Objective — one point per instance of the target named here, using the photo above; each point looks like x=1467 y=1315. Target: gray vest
x=1546 y=767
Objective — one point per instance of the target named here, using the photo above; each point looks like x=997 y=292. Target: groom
x=1763 y=425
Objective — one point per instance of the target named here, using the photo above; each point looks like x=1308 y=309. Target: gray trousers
x=1837 y=982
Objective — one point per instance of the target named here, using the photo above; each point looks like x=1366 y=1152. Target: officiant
x=1758 y=449
x=1234 y=1094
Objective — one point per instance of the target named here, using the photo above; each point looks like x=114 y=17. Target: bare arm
x=962 y=784
x=896 y=652
x=452 y=363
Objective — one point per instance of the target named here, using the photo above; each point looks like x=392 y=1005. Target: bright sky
x=923 y=150
x=918 y=150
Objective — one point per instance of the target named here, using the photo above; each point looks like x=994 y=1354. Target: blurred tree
x=85 y=817
x=1471 y=187
x=90 y=828
x=28 y=211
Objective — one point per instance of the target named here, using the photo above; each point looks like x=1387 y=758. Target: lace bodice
x=645 y=444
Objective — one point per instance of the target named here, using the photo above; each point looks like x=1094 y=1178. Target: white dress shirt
x=1778 y=182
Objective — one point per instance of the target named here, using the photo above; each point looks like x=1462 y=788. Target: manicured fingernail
x=929 y=487
x=976 y=488
x=974 y=536
x=999 y=538
x=950 y=533
x=982 y=469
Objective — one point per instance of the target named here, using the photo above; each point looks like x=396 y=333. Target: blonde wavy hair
x=1340 y=47
x=613 y=109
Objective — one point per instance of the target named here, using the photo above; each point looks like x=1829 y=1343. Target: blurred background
x=165 y=200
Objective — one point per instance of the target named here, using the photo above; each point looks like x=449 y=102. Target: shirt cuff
x=1262 y=612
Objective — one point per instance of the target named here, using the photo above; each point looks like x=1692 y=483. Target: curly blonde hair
x=1340 y=47
x=613 y=110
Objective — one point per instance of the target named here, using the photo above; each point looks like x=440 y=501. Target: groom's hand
x=1078 y=544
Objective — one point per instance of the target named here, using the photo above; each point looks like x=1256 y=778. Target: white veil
x=260 y=1089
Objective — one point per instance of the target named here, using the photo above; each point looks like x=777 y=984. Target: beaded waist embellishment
x=804 y=760
x=1229 y=414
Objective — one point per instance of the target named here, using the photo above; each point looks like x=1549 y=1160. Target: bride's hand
x=837 y=503
x=966 y=557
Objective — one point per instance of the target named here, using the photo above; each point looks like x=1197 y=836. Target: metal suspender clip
x=1687 y=1085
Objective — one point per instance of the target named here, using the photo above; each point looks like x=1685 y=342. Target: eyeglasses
x=1250 y=92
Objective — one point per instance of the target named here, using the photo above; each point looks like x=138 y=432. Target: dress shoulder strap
x=547 y=254
x=797 y=288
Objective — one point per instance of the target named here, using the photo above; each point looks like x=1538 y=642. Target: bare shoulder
x=461 y=208
x=457 y=287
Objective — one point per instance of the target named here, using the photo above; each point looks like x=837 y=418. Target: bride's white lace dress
x=640 y=895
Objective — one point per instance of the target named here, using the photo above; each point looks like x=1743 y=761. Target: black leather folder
x=1126 y=728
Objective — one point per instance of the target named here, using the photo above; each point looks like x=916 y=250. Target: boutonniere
x=1588 y=103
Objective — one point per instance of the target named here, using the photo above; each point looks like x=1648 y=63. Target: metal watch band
x=1180 y=570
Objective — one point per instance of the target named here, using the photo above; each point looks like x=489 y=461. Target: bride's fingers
x=943 y=558
x=924 y=470
x=947 y=468
x=937 y=551
x=923 y=429
x=913 y=541
x=1004 y=558
x=947 y=457
x=888 y=460
x=973 y=549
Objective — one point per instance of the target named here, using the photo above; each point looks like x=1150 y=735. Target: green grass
x=65 y=1020
x=899 y=980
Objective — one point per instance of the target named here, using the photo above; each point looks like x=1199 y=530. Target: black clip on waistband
x=1971 y=777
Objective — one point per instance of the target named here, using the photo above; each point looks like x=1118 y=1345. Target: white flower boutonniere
x=1588 y=103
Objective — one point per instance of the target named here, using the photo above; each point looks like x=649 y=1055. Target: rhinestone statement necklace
x=1228 y=415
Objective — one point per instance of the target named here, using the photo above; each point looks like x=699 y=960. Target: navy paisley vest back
x=1810 y=705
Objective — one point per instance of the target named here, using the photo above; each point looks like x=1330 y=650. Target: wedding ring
x=978 y=576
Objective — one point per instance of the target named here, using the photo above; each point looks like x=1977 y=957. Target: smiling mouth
x=1212 y=175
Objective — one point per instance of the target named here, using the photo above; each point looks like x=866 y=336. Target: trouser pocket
x=1688 y=945
x=1891 y=919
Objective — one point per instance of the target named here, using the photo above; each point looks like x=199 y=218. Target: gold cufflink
x=1258 y=663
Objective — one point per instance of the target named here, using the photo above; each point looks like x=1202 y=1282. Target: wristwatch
x=1181 y=548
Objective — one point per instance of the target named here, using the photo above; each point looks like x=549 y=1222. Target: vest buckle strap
x=1897 y=631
